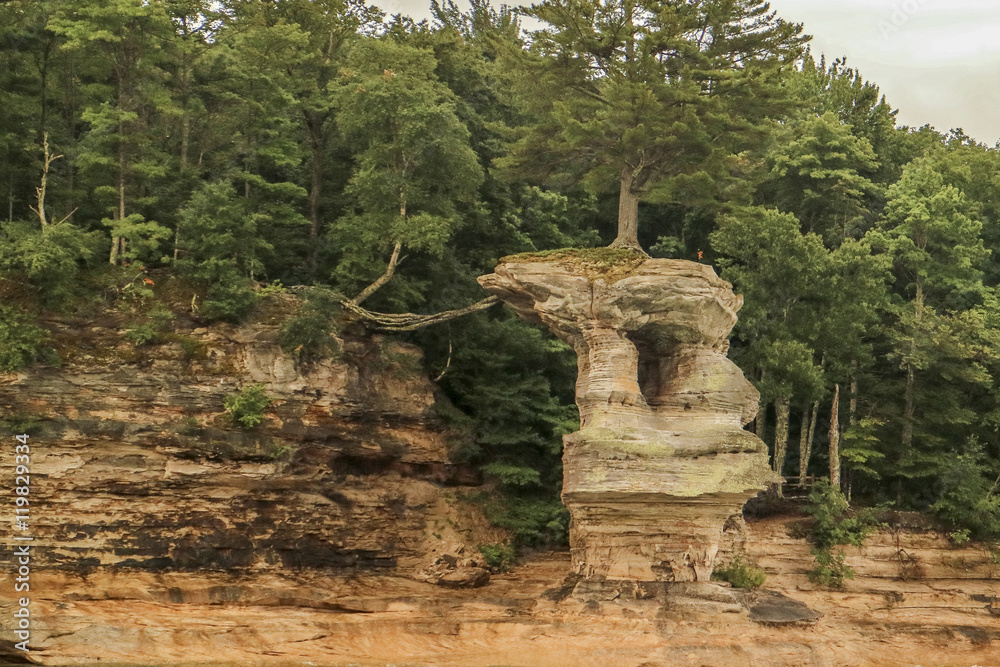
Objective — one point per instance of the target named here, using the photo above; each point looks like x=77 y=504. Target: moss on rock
x=608 y=264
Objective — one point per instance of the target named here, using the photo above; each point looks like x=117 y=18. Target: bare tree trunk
x=49 y=158
x=782 y=407
x=835 y=439
x=382 y=280
x=812 y=426
x=628 y=213
x=804 y=448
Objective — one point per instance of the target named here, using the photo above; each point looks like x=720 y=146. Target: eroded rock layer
x=661 y=460
x=135 y=464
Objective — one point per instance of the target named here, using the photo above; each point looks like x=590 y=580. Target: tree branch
x=382 y=280
x=412 y=321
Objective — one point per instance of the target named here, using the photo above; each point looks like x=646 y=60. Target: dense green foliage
x=227 y=145
x=834 y=524
x=246 y=408
x=21 y=340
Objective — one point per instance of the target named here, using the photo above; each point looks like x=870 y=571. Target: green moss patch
x=608 y=264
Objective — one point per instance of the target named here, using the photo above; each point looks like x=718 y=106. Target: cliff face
x=135 y=464
x=661 y=460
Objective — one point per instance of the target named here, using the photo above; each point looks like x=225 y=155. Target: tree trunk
x=117 y=241
x=628 y=213
x=805 y=452
x=185 y=144
x=835 y=439
x=804 y=448
x=382 y=280
x=812 y=425
x=781 y=409
x=760 y=424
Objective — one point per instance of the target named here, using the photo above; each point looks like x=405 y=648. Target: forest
x=251 y=146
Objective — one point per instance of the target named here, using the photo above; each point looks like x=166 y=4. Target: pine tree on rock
x=653 y=96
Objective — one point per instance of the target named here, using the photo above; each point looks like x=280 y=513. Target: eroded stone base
x=649 y=537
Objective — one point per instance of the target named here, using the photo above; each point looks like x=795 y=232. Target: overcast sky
x=937 y=61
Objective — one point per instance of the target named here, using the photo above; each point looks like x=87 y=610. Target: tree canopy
x=225 y=148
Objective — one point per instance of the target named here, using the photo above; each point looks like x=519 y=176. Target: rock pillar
x=661 y=459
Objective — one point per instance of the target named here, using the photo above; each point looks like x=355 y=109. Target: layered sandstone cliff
x=136 y=465
x=661 y=460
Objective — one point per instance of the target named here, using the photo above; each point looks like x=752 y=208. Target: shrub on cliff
x=246 y=409
x=499 y=557
x=49 y=258
x=21 y=340
x=834 y=524
x=741 y=575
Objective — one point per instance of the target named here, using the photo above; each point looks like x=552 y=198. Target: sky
x=937 y=61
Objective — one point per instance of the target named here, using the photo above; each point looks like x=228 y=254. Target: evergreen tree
x=933 y=236
x=120 y=142
x=819 y=171
x=652 y=96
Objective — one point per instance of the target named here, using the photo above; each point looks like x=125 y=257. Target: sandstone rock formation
x=661 y=460
x=136 y=466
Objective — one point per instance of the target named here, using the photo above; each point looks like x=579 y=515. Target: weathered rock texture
x=661 y=460
x=934 y=616
x=136 y=466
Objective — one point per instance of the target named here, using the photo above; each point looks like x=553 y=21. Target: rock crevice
x=661 y=459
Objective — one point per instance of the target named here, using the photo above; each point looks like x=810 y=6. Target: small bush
x=191 y=348
x=830 y=570
x=230 y=298
x=246 y=409
x=499 y=556
x=741 y=575
x=834 y=524
x=21 y=340
x=960 y=537
x=142 y=334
